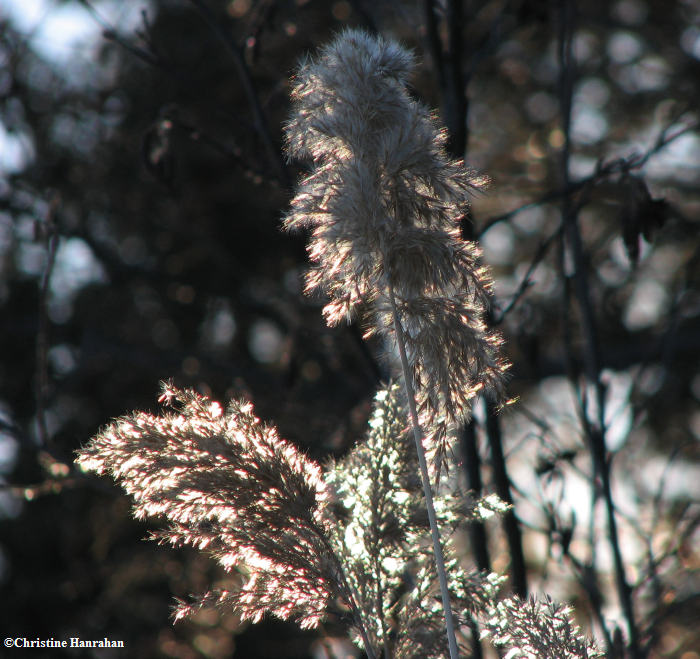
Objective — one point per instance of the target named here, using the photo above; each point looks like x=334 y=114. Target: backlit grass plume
x=383 y=540
x=537 y=629
x=383 y=202
x=228 y=484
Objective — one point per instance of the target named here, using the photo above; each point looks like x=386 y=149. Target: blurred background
x=142 y=184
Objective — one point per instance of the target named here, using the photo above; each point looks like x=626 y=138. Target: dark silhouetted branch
x=259 y=118
x=42 y=335
x=502 y=484
x=572 y=245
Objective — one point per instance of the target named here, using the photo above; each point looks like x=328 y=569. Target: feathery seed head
x=227 y=483
x=383 y=202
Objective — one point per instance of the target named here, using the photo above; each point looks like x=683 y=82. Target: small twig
x=46 y=487
x=234 y=154
x=110 y=33
x=605 y=170
x=526 y=282
x=152 y=58
x=510 y=521
x=571 y=237
x=42 y=335
x=586 y=577
x=259 y=118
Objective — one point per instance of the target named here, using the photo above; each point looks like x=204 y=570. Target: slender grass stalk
x=425 y=478
x=352 y=600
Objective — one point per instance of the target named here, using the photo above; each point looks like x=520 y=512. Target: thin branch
x=571 y=239
x=234 y=154
x=111 y=34
x=510 y=521
x=259 y=118
x=586 y=577
x=152 y=58
x=42 y=336
x=604 y=170
x=526 y=282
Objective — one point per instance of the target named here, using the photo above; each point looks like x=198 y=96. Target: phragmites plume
x=535 y=628
x=228 y=484
x=382 y=539
x=383 y=202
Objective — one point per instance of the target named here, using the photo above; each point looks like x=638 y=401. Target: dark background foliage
x=139 y=241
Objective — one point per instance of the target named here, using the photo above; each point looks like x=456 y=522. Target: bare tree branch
x=571 y=246
x=259 y=118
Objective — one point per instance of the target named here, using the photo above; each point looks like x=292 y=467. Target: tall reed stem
x=425 y=477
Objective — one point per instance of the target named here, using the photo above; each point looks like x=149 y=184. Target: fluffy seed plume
x=383 y=202
x=226 y=483
x=382 y=538
x=536 y=628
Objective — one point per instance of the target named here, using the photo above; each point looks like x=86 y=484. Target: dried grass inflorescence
x=382 y=539
x=226 y=483
x=536 y=628
x=383 y=202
